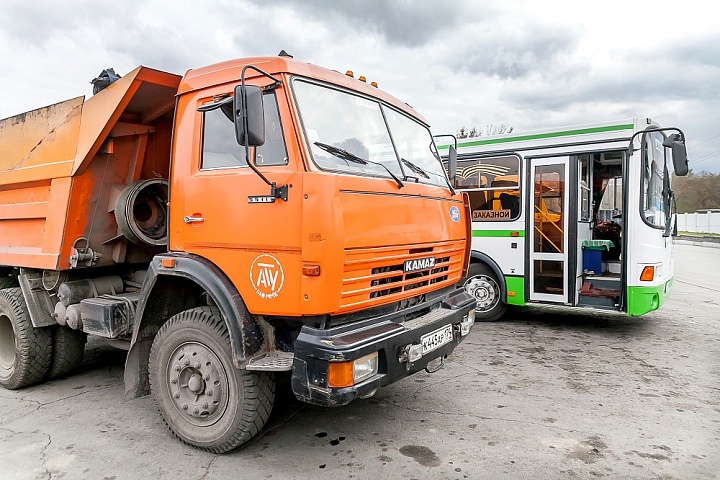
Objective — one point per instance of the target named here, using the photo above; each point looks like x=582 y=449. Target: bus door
x=548 y=230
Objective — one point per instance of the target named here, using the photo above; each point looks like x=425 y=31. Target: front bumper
x=388 y=335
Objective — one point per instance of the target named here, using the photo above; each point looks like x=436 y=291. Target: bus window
x=585 y=200
x=653 y=176
x=493 y=186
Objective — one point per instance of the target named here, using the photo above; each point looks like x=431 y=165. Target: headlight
x=347 y=374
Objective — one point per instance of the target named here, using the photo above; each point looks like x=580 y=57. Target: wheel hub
x=198 y=383
x=484 y=290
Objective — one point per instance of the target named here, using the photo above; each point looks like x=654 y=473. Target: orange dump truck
x=252 y=217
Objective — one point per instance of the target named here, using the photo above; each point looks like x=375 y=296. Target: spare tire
x=141 y=211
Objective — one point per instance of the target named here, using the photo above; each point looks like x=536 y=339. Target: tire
x=25 y=351
x=8 y=282
x=482 y=284
x=204 y=400
x=68 y=348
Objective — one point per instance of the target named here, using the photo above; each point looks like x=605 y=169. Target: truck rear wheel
x=204 y=400
x=7 y=282
x=25 y=351
x=68 y=348
x=482 y=284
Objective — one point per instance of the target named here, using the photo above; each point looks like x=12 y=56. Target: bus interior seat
x=510 y=202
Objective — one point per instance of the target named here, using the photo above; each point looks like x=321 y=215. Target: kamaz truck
x=249 y=218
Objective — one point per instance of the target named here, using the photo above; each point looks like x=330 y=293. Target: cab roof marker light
x=349 y=73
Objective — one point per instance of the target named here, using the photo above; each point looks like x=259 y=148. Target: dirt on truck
x=250 y=218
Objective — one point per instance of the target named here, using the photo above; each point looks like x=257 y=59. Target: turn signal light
x=340 y=374
x=311 y=270
x=648 y=274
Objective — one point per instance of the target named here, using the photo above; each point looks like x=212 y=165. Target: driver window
x=221 y=150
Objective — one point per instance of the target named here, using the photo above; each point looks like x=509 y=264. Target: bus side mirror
x=452 y=165
x=249 y=116
x=679 y=154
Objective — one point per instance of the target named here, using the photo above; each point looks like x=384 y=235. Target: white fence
x=705 y=222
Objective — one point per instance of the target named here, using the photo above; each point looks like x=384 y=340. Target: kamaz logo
x=419 y=264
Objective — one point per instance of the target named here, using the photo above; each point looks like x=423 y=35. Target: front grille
x=375 y=276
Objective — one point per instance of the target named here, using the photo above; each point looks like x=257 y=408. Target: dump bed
x=64 y=167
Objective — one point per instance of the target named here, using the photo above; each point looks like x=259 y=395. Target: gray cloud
x=35 y=23
x=459 y=62
x=401 y=22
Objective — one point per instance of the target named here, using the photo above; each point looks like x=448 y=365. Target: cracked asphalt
x=544 y=393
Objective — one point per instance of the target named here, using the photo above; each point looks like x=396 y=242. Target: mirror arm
x=275 y=191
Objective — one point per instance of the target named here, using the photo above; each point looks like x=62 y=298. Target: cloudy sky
x=526 y=64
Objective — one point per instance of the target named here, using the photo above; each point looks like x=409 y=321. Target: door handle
x=189 y=219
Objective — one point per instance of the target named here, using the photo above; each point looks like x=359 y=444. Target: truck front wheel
x=25 y=351
x=204 y=400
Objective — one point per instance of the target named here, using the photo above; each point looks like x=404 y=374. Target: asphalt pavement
x=546 y=393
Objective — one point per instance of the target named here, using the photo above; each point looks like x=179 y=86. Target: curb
x=698 y=241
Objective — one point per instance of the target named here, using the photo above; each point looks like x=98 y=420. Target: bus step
x=597 y=288
x=597 y=302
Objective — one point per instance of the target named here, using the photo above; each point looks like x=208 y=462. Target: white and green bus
x=579 y=216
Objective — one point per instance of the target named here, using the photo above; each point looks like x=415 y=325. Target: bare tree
x=489 y=130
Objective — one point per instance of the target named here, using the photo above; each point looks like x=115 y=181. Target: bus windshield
x=654 y=177
x=358 y=135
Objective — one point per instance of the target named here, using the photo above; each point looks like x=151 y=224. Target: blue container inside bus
x=592 y=254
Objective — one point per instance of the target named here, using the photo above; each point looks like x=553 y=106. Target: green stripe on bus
x=498 y=233
x=520 y=138
x=515 y=290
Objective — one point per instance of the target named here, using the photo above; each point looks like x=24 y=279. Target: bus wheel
x=482 y=284
x=25 y=351
x=204 y=400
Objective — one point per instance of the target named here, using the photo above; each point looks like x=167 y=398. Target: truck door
x=257 y=245
x=548 y=227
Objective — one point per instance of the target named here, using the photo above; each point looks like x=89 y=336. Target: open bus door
x=548 y=228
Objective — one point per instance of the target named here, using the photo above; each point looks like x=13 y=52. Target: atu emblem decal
x=267 y=276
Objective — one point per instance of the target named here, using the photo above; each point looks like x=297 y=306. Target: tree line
x=696 y=191
x=489 y=130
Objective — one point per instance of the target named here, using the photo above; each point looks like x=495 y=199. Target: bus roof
x=614 y=134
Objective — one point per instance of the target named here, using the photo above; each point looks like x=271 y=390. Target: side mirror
x=249 y=116
x=679 y=154
x=452 y=165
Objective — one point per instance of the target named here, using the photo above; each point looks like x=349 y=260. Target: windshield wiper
x=351 y=157
x=415 y=168
x=424 y=173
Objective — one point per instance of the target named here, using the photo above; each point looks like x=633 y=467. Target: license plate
x=438 y=338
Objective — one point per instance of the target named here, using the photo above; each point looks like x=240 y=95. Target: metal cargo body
x=64 y=166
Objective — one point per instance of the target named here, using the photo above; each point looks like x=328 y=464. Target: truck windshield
x=392 y=144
